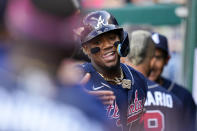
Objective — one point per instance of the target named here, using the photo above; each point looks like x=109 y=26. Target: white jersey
x=20 y=111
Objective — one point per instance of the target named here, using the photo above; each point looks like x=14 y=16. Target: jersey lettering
x=135 y=110
x=159 y=99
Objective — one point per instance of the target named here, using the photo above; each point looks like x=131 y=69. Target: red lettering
x=115 y=114
x=130 y=109
x=109 y=108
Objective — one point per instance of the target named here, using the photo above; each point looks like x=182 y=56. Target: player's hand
x=67 y=72
x=107 y=97
x=85 y=79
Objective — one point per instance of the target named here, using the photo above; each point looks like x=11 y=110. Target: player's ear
x=167 y=59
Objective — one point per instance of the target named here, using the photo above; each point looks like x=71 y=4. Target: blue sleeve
x=90 y=105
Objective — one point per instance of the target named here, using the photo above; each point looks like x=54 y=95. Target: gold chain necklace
x=117 y=80
x=126 y=83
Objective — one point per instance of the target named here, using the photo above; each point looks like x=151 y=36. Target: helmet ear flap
x=123 y=47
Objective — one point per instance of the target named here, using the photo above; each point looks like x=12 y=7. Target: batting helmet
x=99 y=22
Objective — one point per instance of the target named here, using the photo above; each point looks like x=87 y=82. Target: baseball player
x=38 y=42
x=163 y=110
x=161 y=58
x=121 y=88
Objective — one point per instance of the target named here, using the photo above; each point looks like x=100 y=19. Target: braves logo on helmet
x=100 y=22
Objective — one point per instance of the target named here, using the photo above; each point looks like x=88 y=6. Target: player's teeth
x=109 y=53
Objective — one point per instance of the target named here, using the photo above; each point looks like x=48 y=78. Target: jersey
x=90 y=105
x=21 y=109
x=129 y=103
x=189 y=105
x=163 y=110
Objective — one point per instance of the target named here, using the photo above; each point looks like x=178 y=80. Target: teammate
x=105 y=42
x=163 y=109
x=38 y=42
x=161 y=58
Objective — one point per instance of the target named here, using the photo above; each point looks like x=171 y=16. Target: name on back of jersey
x=158 y=98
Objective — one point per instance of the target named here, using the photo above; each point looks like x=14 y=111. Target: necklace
x=126 y=83
x=116 y=79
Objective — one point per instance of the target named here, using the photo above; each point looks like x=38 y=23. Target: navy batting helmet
x=99 y=22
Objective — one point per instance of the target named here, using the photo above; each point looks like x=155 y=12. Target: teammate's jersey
x=24 y=110
x=189 y=106
x=20 y=111
x=129 y=103
x=163 y=110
